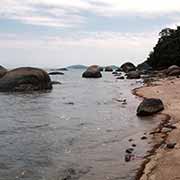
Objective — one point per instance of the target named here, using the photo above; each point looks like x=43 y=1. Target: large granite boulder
x=133 y=75
x=149 y=107
x=92 y=72
x=108 y=69
x=3 y=71
x=25 y=79
x=127 y=67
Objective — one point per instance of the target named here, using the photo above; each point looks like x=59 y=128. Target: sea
x=78 y=131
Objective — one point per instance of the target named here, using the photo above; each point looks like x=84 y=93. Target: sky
x=57 y=33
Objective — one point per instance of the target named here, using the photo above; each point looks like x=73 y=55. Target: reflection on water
x=77 y=131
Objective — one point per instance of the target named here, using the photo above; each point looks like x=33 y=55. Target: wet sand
x=164 y=163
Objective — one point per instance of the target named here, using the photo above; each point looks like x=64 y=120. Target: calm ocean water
x=78 y=131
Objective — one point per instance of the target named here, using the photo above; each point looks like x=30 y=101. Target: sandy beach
x=164 y=163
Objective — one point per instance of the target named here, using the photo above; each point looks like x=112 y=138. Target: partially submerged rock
x=25 y=79
x=133 y=75
x=56 y=73
x=56 y=83
x=108 y=69
x=149 y=107
x=120 y=77
x=126 y=67
x=92 y=72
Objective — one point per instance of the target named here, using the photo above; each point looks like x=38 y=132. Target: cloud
x=69 y=13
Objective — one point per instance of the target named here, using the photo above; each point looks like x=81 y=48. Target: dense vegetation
x=167 y=50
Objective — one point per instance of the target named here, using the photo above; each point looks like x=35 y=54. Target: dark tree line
x=167 y=50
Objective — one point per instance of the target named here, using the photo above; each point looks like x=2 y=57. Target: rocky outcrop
x=108 y=69
x=3 y=71
x=92 y=72
x=149 y=107
x=25 y=79
x=144 y=67
x=133 y=75
x=127 y=67
x=173 y=70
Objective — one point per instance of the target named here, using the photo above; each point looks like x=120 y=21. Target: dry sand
x=164 y=164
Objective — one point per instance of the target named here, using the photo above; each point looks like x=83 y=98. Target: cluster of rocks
x=24 y=79
x=130 y=70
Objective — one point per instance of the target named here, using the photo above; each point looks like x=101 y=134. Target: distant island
x=78 y=66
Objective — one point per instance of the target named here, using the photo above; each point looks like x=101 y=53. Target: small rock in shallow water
x=127 y=157
x=70 y=103
x=129 y=150
x=171 y=126
x=130 y=140
x=143 y=137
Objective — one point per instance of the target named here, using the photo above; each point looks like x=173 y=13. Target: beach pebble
x=171 y=145
x=166 y=130
x=169 y=125
x=130 y=140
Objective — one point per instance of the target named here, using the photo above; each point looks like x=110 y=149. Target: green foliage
x=167 y=50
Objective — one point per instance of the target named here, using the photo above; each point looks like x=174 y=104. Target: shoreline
x=156 y=145
x=154 y=165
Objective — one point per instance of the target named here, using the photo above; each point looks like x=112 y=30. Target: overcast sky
x=50 y=33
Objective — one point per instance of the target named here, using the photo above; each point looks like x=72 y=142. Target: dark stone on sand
x=25 y=79
x=171 y=145
x=133 y=145
x=92 y=72
x=56 y=73
x=171 y=126
x=133 y=75
x=149 y=107
x=127 y=67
